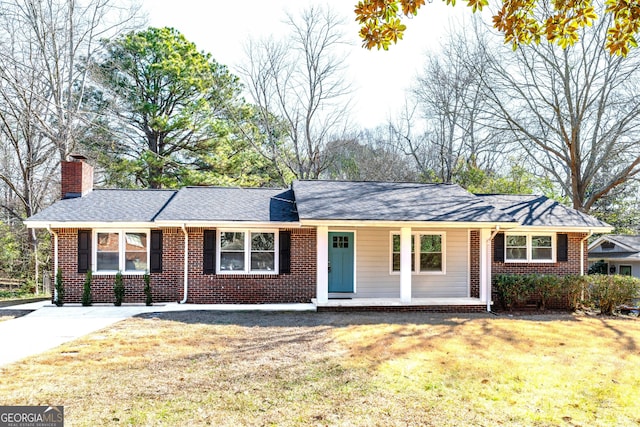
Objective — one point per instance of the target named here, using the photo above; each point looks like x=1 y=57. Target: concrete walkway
x=49 y=326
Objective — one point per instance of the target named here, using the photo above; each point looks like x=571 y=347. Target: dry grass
x=208 y=368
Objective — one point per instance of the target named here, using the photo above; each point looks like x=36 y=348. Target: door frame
x=355 y=257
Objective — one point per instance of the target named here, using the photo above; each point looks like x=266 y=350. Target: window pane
x=232 y=241
x=108 y=242
x=431 y=243
x=396 y=243
x=107 y=261
x=262 y=242
x=520 y=241
x=230 y=261
x=396 y=262
x=541 y=253
x=135 y=252
x=625 y=270
x=263 y=261
x=107 y=256
x=431 y=262
x=541 y=241
x=517 y=253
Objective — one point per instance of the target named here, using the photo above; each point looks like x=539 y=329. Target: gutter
x=186 y=264
x=55 y=259
x=489 y=255
x=582 y=251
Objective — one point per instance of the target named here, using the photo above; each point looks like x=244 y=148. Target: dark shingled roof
x=531 y=210
x=108 y=206
x=231 y=204
x=392 y=201
x=633 y=242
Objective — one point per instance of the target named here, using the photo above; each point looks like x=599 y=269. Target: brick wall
x=299 y=286
x=571 y=266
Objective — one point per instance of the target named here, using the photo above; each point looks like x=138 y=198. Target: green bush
x=87 y=298
x=59 y=300
x=547 y=286
x=575 y=287
x=610 y=292
x=118 y=289
x=147 y=289
x=516 y=288
x=511 y=289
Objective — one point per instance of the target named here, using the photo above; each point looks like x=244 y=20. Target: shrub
x=87 y=299
x=118 y=289
x=610 y=292
x=545 y=285
x=575 y=287
x=59 y=299
x=147 y=289
x=511 y=288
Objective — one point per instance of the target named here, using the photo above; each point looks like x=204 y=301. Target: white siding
x=374 y=279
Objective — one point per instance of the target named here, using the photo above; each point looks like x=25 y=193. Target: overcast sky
x=222 y=28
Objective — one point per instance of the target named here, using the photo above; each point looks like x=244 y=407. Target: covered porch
x=388 y=279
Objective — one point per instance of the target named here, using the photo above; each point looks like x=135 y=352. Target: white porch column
x=322 y=264
x=485 y=265
x=405 y=264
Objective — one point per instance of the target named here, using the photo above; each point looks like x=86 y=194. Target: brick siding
x=167 y=286
x=570 y=267
x=77 y=178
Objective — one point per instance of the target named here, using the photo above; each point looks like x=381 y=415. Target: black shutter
x=209 y=252
x=84 y=250
x=155 y=252
x=498 y=247
x=285 y=252
x=563 y=247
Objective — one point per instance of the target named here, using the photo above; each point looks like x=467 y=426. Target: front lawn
x=211 y=368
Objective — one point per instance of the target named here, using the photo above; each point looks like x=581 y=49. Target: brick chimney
x=77 y=177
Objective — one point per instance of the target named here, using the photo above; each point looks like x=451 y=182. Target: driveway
x=49 y=326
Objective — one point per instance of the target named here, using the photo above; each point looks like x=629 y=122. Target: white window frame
x=247 y=251
x=529 y=248
x=121 y=251
x=416 y=255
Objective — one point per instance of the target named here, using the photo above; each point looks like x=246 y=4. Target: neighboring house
x=339 y=244
x=616 y=254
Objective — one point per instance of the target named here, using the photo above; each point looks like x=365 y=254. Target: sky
x=379 y=78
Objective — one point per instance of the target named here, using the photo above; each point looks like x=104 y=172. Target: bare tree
x=370 y=157
x=445 y=122
x=575 y=111
x=298 y=87
x=44 y=46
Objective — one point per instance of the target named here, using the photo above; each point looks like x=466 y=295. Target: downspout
x=186 y=264
x=582 y=252
x=489 y=255
x=55 y=259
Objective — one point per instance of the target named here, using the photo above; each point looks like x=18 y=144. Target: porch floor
x=395 y=302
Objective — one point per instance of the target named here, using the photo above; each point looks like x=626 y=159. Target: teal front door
x=341 y=262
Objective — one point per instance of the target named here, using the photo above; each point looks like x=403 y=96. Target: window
x=429 y=258
x=120 y=250
x=247 y=252
x=625 y=270
x=431 y=252
x=529 y=248
x=395 y=257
